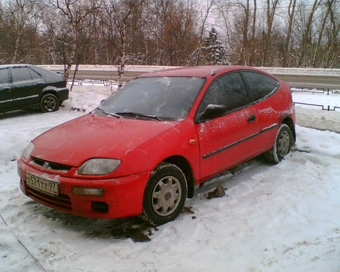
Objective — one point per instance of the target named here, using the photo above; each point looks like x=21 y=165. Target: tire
x=165 y=194
x=49 y=103
x=283 y=142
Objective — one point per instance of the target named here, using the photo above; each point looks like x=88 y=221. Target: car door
x=269 y=106
x=5 y=96
x=26 y=87
x=233 y=135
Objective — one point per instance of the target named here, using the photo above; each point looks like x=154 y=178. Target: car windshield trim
x=137 y=114
x=110 y=114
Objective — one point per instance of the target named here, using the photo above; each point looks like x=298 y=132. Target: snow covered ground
x=314 y=116
x=273 y=218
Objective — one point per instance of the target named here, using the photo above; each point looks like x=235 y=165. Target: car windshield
x=154 y=98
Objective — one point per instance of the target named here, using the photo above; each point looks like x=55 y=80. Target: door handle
x=251 y=118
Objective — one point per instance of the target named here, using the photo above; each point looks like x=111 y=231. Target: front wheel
x=49 y=102
x=165 y=194
x=282 y=145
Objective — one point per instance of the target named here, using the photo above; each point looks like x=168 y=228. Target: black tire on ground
x=49 y=103
x=283 y=142
x=165 y=194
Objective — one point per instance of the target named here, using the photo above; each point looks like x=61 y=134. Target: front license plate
x=45 y=186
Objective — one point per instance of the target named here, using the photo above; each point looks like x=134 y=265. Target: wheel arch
x=50 y=90
x=184 y=165
x=290 y=123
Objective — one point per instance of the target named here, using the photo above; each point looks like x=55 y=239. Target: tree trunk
x=334 y=49
x=121 y=69
x=72 y=54
x=16 y=46
x=306 y=36
x=318 y=45
x=291 y=12
x=267 y=54
x=252 y=43
x=244 y=49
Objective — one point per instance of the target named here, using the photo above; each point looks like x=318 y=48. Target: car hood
x=92 y=136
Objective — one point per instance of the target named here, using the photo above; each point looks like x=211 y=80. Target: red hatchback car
x=143 y=150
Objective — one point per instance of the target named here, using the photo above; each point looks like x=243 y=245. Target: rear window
x=260 y=85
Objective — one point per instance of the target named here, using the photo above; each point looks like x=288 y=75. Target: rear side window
x=4 y=78
x=260 y=85
x=34 y=74
x=21 y=74
x=228 y=90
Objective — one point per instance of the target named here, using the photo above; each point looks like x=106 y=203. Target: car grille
x=62 y=202
x=51 y=165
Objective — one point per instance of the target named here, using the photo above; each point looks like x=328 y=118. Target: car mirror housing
x=213 y=111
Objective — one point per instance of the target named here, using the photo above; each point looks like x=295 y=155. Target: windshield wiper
x=110 y=114
x=137 y=114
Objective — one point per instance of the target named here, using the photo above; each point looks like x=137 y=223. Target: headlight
x=98 y=166
x=28 y=150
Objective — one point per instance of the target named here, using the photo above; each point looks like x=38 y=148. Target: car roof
x=197 y=71
x=14 y=65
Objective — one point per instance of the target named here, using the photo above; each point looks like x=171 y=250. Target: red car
x=143 y=150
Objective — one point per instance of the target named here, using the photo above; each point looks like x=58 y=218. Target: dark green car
x=28 y=86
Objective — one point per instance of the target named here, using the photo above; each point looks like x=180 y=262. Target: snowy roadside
x=323 y=120
x=314 y=116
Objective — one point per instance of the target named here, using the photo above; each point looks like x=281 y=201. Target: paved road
x=311 y=81
x=297 y=78
x=294 y=80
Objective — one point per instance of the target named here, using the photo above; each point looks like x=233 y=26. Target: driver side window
x=228 y=91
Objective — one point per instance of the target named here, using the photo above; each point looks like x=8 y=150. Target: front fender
x=180 y=140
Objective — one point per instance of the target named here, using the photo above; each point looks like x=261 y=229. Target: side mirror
x=213 y=111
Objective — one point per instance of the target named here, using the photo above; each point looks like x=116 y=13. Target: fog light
x=101 y=207
x=87 y=191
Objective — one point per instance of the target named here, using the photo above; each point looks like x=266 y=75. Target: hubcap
x=283 y=144
x=166 y=195
x=50 y=103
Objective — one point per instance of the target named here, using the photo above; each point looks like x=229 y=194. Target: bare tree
x=252 y=42
x=267 y=56
x=169 y=32
x=21 y=12
x=305 y=45
x=334 y=36
x=173 y=26
x=239 y=17
x=245 y=28
x=291 y=16
x=117 y=20
x=73 y=12
x=205 y=13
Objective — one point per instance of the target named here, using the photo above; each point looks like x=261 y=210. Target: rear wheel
x=49 y=102
x=282 y=145
x=165 y=194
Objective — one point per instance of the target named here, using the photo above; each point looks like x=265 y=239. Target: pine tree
x=213 y=50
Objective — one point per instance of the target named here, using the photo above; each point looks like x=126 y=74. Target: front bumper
x=122 y=196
